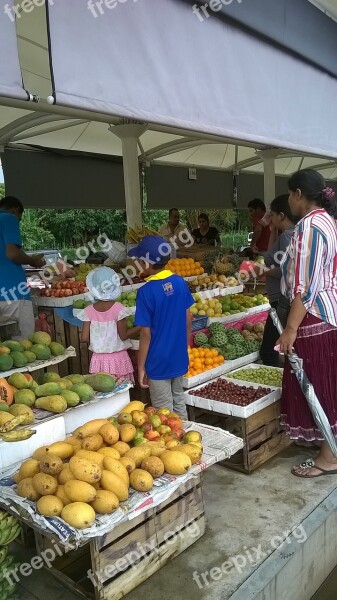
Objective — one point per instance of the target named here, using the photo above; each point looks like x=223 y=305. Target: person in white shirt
x=173 y=228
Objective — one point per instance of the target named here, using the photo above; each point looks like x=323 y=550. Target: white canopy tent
x=196 y=98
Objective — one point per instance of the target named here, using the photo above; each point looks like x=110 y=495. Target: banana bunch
x=19 y=435
x=136 y=234
x=8 y=590
x=9 y=530
x=7 y=564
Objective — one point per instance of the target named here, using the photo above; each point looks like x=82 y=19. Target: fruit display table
x=39 y=365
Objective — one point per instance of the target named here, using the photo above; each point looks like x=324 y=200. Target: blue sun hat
x=103 y=283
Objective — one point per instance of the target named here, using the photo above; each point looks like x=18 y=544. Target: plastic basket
x=199 y=323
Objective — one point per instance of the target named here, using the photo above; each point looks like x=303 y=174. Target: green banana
x=17 y=436
x=10 y=425
x=14 y=533
x=3 y=555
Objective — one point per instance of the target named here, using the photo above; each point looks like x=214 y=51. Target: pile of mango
x=92 y=471
x=39 y=346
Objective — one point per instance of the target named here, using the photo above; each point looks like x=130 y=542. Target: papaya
x=26 y=397
x=40 y=337
x=84 y=391
x=30 y=356
x=6 y=392
x=21 y=409
x=6 y=362
x=48 y=389
x=19 y=360
x=49 y=377
x=41 y=352
x=75 y=378
x=13 y=346
x=26 y=344
x=71 y=398
x=101 y=382
x=21 y=381
x=54 y=404
x=4 y=349
x=65 y=383
x=57 y=349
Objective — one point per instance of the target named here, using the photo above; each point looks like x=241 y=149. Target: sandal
x=310 y=464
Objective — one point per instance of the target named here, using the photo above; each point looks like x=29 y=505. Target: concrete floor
x=243 y=512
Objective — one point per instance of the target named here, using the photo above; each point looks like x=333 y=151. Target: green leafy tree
x=35 y=237
x=2 y=190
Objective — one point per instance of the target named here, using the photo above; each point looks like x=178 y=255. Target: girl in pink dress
x=105 y=326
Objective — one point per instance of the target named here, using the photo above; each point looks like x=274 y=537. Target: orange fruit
x=208 y=361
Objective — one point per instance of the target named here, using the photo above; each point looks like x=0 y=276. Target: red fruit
x=163 y=418
x=174 y=423
x=179 y=433
x=168 y=437
x=152 y=435
x=147 y=427
x=150 y=410
x=67 y=292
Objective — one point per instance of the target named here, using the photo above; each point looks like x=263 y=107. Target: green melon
x=30 y=356
x=102 y=382
x=84 y=391
x=13 y=346
x=41 y=352
x=57 y=349
x=6 y=362
x=19 y=359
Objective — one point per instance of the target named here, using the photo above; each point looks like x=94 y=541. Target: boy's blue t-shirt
x=161 y=305
x=13 y=282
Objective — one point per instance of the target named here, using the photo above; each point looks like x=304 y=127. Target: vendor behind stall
x=15 y=302
x=261 y=231
x=173 y=227
x=206 y=234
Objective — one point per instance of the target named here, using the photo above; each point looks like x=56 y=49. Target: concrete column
x=129 y=134
x=268 y=157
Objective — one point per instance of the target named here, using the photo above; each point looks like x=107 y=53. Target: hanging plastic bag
x=41 y=324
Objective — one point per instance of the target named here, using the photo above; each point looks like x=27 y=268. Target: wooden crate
x=262 y=435
x=110 y=566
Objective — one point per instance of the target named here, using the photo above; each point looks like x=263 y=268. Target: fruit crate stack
x=9 y=531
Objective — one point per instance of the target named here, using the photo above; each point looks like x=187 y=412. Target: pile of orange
x=185 y=267
x=203 y=359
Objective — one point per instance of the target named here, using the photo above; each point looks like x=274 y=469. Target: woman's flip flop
x=310 y=464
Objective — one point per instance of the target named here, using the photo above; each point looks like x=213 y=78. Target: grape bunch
x=262 y=375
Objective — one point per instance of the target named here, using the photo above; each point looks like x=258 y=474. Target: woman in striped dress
x=310 y=282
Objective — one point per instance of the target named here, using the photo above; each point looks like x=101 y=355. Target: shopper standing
x=310 y=283
x=162 y=312
x=15 y=301
x=281 y=230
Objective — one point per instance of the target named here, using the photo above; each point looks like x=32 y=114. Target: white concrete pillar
x=269 y=157
x=129 y=134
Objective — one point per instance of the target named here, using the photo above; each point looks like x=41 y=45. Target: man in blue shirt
x=15 y=302
x=162 y=312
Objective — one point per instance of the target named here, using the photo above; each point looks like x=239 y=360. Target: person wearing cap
x=163 y=313
x=105 y=326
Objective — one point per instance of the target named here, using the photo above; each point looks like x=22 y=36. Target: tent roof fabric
x=50 y=127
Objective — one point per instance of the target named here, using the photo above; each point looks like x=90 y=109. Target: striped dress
x=309 y=268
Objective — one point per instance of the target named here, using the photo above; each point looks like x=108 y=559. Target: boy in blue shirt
x=162 y=312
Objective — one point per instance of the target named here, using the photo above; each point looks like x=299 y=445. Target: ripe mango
x=79 y=515
x=90 y=428
x=92 y=442
x=109 y=433
x=139 y=454
x=95 y=457
x=44 y=484
x=121 y=447
x=49 y=506
x=105 y=502
x=134 y=405
x=113 y=465
x=112 y=452
x=61 y=449
x=54 y=404
x=127 y=432
x=141 y=480
x=79 y=491
x=193 y=452
x=175 y=462
x=65 y=475
x=113 y=483
x=29 y=468
x=60 y=493
x=85 y=470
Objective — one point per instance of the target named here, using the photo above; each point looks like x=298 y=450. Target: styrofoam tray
x=41 y=364
x=232 y=409
x=252 y=366
x=59 y=302
x=257 y=309
x=227 y=367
